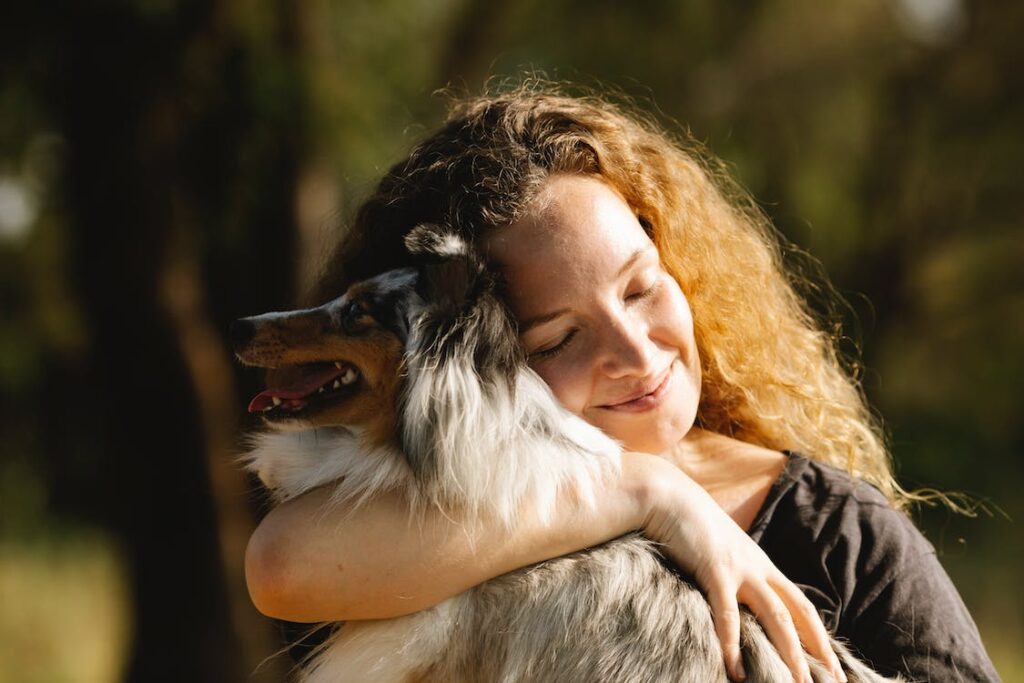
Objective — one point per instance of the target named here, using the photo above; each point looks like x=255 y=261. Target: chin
x=655 y=443
x=652 y=436
x=654 y=433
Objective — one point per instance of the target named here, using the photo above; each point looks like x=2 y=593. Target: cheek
x=673 y=312
x=568 y=383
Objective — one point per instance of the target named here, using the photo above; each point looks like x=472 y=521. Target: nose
x=627 y=350
x=241 y=333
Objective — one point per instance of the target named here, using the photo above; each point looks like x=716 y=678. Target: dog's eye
x=355 y=310
x=355 y=317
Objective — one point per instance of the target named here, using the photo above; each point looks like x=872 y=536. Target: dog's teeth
x=337 y=385
x=337 y=365
x=267 y=408
x=277 y=401
x=320 y=390
x=348 y=377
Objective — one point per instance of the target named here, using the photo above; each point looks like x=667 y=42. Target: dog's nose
x=241 y=333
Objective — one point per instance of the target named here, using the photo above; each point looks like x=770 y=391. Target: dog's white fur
x=289 y=463
x=502 y=446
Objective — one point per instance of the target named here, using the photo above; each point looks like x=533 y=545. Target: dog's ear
x=432 y=243
x=449 y=269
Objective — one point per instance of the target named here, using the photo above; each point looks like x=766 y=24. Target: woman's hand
x=705 y=542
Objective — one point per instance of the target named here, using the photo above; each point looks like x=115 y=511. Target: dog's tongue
x=297 y=388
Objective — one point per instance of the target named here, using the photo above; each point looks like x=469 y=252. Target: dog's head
x=343 y=363
x=334 y=365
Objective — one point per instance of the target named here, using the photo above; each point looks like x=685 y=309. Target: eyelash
x=556 y=349
x=645 y=293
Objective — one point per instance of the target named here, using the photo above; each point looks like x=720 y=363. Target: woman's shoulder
x=835 y=507
x=843 y=524
x=837 y=535
x=871 y=572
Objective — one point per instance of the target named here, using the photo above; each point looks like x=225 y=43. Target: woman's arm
x=309 y=561
x=899 y=608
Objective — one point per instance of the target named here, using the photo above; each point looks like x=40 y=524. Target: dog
x=414 y=381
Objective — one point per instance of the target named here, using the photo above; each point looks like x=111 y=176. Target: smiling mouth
x=308 y=389
x=645 y=400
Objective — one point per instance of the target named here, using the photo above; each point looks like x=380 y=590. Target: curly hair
x=771 y=375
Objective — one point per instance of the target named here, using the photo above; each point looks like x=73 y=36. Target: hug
x=650 y=311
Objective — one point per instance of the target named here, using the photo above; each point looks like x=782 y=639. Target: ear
x=433 y=243
x=448 y=267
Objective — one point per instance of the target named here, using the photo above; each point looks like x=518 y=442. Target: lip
x=645 y=399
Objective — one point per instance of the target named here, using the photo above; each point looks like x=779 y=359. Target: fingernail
x=741 y=673
x=840 y=676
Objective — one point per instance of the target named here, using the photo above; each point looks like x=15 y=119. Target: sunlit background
x=168 y=166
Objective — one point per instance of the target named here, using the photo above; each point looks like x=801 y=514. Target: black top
x=874 y=578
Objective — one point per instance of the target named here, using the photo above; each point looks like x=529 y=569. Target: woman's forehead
x=571 y=213
x=583 y=232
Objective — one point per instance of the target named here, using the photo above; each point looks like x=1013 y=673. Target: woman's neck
x=738 y=475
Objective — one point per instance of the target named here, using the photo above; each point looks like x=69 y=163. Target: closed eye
x=645 y=293
x=556 y=349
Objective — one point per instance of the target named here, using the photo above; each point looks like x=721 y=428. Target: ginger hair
x=772 y=375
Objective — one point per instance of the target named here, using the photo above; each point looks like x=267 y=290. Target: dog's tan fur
x=297 y=340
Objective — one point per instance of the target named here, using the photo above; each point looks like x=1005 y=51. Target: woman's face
x=603 y=323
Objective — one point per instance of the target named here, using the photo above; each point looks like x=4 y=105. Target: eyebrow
x=633 y=258
x=530 y=323
x=541 y=319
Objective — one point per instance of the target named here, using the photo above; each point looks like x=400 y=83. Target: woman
x=650 y=297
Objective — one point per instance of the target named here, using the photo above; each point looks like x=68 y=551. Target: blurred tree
x=180 y=155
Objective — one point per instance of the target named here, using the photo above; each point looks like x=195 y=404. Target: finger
x=774 y=616
x=726 y=615
x=809 y=627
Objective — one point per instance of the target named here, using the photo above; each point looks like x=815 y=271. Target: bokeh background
x=167 y=166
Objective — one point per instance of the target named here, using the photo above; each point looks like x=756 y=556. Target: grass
x=64 y=617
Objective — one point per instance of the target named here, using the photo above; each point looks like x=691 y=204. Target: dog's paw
x=428 y=239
